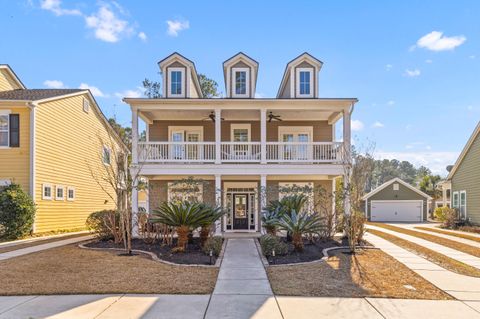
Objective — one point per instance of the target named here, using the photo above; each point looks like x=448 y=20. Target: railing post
x=218 y=136
x=263 y=136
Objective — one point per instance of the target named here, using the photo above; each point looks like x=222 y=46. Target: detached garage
x=396 y=201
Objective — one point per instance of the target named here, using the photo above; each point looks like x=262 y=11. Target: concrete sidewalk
x=195 y=307
x=33 y=249
x=39 y=239
x=449 y=252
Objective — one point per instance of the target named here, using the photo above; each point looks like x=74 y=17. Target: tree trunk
x=182 y=233
x=204 y=233
x=297 y=241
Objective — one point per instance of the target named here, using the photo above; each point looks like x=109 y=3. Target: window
x=179 y=191
x=396 y=187
x=463 y=205
x=86 y=105
x=304 y=82
x=59 y=192
x=4 y=129
x=70 y=193
x=177 y=80
x=47 y=191
x=240 y=133
x=299 y=188
x=106 y=156
x=189 y=134
x=241 y=79
x=455 y=200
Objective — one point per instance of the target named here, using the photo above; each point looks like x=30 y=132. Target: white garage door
x=396 y=211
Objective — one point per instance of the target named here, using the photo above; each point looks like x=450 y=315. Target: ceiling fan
x=211 y=116
x=271 y=117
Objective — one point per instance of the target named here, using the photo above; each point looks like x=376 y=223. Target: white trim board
x=394 y=180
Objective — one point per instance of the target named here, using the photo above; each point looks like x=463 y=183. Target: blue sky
x=414 y=65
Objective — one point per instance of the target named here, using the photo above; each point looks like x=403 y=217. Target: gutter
x=33 y=107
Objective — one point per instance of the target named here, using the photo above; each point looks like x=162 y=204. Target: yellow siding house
x=57 y=145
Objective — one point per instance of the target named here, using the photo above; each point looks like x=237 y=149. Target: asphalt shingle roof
x=35 y=94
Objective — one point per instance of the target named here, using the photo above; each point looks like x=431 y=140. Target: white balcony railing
x=240 y=152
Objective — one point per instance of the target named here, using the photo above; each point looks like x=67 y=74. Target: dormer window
x=304 y=82
x=177 y=82
x=241 y=79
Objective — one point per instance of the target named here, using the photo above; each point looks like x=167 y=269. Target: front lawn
x=370 y=273
x=450 y=233
x=72 y=270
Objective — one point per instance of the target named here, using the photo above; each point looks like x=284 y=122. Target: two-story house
x=57 y=145
x=239 y=145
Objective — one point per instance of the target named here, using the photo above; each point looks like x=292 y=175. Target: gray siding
x=467 y=178
x=403 y=193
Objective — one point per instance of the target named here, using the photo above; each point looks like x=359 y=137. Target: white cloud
x=259 y=95
x=378 y=124
x=107 y=25
x=391 y=102
x=435 y=161
x=54 y=84
x=436 y=41
x=175 y=26
x=357 y=125
x=142 y=36
x=412 y=73
x=138 y=92
x=55 y=6
x=428 y=61
x=388 y=67
x=472 y=56
x=93 y=89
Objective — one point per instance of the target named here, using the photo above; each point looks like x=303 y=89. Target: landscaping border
x=154 y=257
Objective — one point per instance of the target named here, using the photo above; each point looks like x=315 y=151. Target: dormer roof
x=177 y=57
x=14 y=80
x=296 y=62
x=240 y=59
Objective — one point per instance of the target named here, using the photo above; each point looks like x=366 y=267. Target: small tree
x=17 y=212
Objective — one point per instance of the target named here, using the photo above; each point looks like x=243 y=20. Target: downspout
x=32 y=107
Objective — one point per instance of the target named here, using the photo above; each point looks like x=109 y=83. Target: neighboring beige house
x=51 y=143
x=446 y=188
x=464 y=179
x=239 y=146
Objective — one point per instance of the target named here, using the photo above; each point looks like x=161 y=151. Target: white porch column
x=134 y=135
x=218 y=135
x=347 y=144
x=263 y=198
x=263 y=136
x=218 y=201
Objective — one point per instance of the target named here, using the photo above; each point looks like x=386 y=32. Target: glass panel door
x=240 y=135
x=463 y=205
x=193 y=151
x=178 y=151
x=288 y=150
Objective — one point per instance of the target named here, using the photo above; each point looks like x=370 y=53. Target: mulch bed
x=192 y=255
x=312 y=251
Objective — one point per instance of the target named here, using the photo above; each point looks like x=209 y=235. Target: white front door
x=396 y=211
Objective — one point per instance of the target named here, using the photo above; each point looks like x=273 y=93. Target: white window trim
x=311 y=70
x=295 y=130
x=247 y=82
x=460 y=201
x=185 y=129
x=240 y=126
x=453 y=200
x=43 y=191
x=6 y=112
x=57 y=187
x=69 y=188
x=396 y=186
x=170 y=70
x=105 y=147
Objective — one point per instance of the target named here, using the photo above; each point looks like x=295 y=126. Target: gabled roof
x=305 y=56
x=13 y=75
x=240 y=56
x=390 y=182
x=177 y=56
x=465 y=150
x=35 y=94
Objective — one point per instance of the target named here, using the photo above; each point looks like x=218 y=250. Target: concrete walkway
x=33 y=249
x=242 y=289
x=464 y=288
x=39 y=239
x=449 y=252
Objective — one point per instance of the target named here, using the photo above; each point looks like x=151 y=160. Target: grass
x=72 y=270
x=450 y=233
x=471 y=250
x=431 y=255
x=39 y=242
x=370 y=273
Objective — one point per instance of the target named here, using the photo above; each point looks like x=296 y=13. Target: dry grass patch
x=431 y=255
x=474 y=251
x=39 y=242
x=371 y=273
x=72 y=270
x=450 y=233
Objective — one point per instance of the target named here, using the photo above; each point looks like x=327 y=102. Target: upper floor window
x=4 y=129
x=177 y=81
x=304 y=82
x=106 y=155
x=241 y=79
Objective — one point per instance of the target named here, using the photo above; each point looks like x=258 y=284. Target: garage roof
x=390 y=182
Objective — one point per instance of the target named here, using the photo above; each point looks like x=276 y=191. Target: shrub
x=270 y=219
x=299 y=225
x=17 y=212
x=269 y=243
x=440 y=213
x=355 y=228
x=105 y=224
x=470 y=228
x=213 y=244
x=450 y=217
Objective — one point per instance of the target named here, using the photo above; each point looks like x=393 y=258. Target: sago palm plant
x=271 y=218
x=213 y=214
x=300 y=224
x=183 y=216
